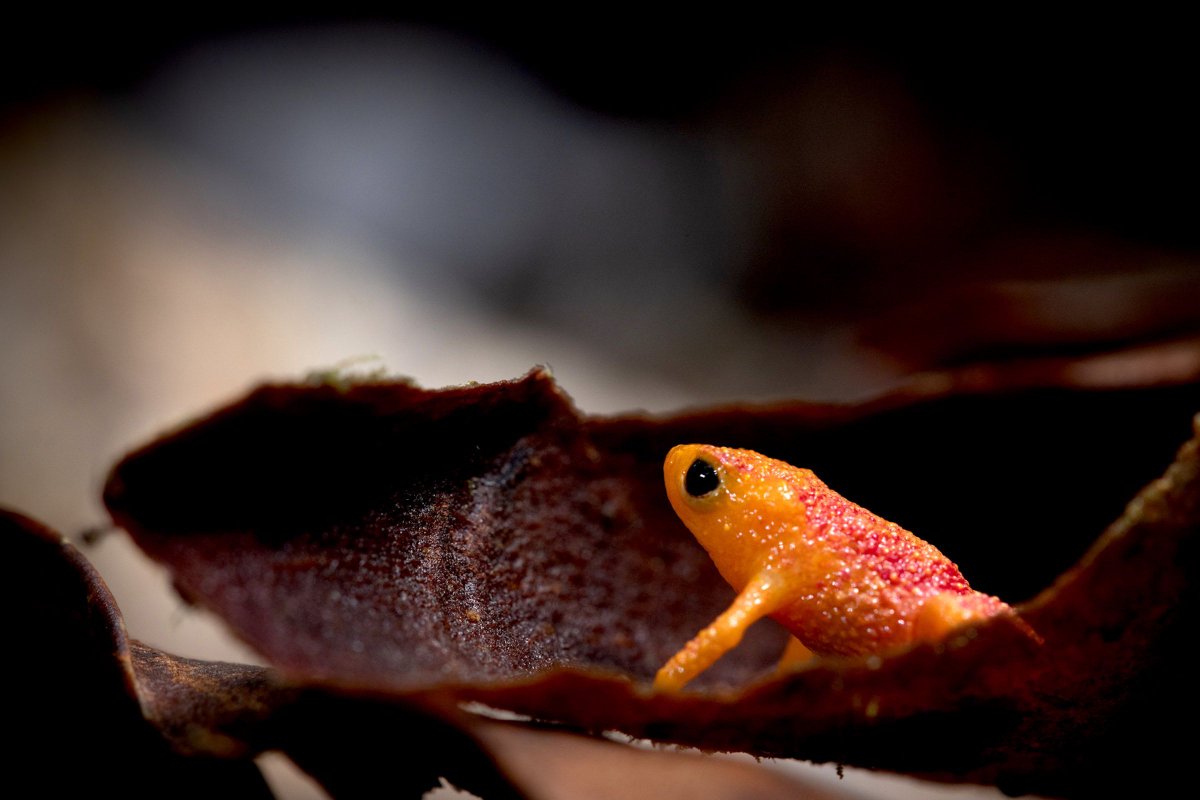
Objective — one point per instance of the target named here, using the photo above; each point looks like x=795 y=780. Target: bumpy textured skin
x=844 y=581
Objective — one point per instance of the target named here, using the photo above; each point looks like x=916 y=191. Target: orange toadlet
x=843 y=581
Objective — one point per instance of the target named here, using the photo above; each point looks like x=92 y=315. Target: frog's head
x=740 y=505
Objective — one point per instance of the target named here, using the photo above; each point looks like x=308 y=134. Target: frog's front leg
x=763 y=595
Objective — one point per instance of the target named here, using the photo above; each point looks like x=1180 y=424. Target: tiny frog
x=843 y=581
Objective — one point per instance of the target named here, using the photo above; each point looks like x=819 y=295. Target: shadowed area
x=74 y=700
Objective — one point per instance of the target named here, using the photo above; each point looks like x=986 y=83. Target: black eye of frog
x=701 y=478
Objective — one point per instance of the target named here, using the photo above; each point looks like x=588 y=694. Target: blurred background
x=668 y=213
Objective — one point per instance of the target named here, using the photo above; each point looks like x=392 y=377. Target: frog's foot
x=795 y=655
x=763 y=595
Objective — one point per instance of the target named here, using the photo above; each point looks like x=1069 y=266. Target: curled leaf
x=491 y=543
x=389 y=537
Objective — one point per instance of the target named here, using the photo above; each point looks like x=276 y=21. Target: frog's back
x=877 y=579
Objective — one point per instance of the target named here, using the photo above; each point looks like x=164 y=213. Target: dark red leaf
x=489 y=542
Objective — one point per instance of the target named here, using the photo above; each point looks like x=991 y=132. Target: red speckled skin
x=843 y=580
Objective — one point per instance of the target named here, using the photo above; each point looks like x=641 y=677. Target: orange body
x=842 y=580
